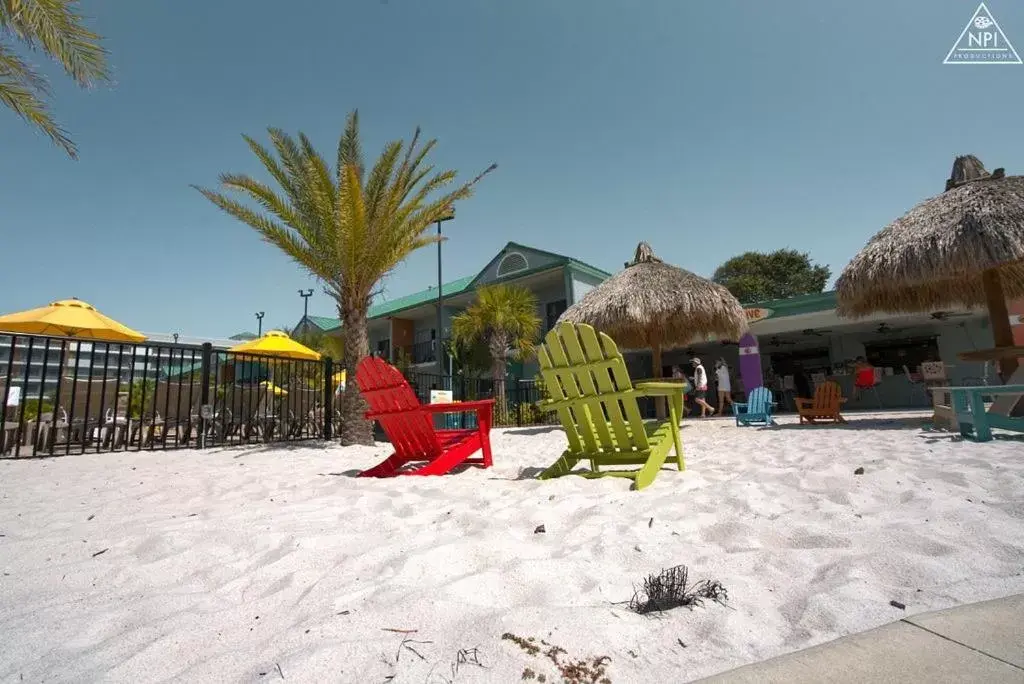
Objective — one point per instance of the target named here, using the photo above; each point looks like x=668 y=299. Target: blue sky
x=705 y=128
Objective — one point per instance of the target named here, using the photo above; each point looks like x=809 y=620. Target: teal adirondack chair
x=756 y=409
x=588 y=385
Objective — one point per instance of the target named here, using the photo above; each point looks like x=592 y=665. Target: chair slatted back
x=394 y=405
x=586 y=378
x=827 y=397
x=759 y=401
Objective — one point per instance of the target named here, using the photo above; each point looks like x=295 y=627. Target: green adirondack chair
x=588 y=385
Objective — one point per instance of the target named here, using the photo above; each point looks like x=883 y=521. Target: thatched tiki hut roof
x=963 y=247
x=655 y=305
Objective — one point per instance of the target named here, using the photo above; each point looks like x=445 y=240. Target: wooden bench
x=974 y=420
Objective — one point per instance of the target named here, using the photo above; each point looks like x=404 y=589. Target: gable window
x=554 y=310
x=513 y=262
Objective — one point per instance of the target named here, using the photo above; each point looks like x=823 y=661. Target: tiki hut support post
x=1002 y=333
x=660 y=404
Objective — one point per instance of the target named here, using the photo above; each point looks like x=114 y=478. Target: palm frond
x=381 y=175
x=22 y=90
x=281 y=237
x=264 y=195
x=56 y=27
x=350 y=152
x=271 y=165
x=319 y=182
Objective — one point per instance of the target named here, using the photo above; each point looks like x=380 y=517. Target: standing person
x=863 y=376
x=724 y=384
x=802 y=383
x=700 y=388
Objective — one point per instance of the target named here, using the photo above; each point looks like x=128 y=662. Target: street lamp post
x=440 y=294
x=305 y=294
x=259 y=323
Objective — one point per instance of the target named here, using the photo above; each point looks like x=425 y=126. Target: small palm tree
x=55 y=27
x=348 y=226
x=505 y=318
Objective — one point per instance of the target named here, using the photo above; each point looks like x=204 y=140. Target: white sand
x=224 y=565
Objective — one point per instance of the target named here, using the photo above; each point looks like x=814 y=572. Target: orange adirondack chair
x=410 y=425
x=828 y=398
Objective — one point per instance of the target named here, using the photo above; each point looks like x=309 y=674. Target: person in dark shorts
x=700 y=388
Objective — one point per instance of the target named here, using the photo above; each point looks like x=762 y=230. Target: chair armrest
x=804 y=402
x=459 y=407
x=739 y=404
x=661 y=389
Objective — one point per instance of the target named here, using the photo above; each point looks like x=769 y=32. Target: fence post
x=519 y=404
x=328 y=396
x=204 y=390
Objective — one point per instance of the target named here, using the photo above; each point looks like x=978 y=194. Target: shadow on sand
x=907 y=423
x=534 y=430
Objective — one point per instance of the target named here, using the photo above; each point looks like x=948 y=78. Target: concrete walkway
x=981 y=642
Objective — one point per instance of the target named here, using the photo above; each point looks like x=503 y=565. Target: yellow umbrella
x=271 y=387
x=69 y=318
x=277 y=343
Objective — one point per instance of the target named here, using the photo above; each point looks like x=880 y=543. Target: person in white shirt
x=700 y=388
x=724 y=385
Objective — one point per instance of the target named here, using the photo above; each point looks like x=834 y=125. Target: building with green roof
x=408 y=325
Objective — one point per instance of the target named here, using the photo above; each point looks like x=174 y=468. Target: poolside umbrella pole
x=651 y=304
x=964 y=247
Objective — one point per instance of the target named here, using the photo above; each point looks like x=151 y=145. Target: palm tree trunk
x=499 y=365
x=354 y=428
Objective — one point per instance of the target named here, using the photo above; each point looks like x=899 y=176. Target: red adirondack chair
x=410 y=425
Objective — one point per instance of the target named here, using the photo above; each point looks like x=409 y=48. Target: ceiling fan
x=946 y=315
x=886 y=329
x=776 y=342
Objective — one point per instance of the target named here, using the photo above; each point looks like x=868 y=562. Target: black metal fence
x=63 y=395
x=521 y=398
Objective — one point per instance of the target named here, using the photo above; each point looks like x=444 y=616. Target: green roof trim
x=795 y=306
x=560 y=261
x=325 y=323
x=392 y=307
x=574 y=262
x=587 y=269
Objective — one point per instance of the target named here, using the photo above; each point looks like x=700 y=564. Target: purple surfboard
x=750 y=363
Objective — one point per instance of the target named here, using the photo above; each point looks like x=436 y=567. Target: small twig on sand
x=278 y=666
x=466 y=656
x=405 y=644
x=100 y=553
x=399 y=631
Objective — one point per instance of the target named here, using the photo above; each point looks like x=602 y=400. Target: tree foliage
x=56 y=28
x=469 y=358
x=758 y=276
x=320 y=342
x=348 y=226
x=505 y=318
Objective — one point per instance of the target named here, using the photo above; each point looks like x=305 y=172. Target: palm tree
x=55 y=27
x=505 y=318
x=346 y=226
